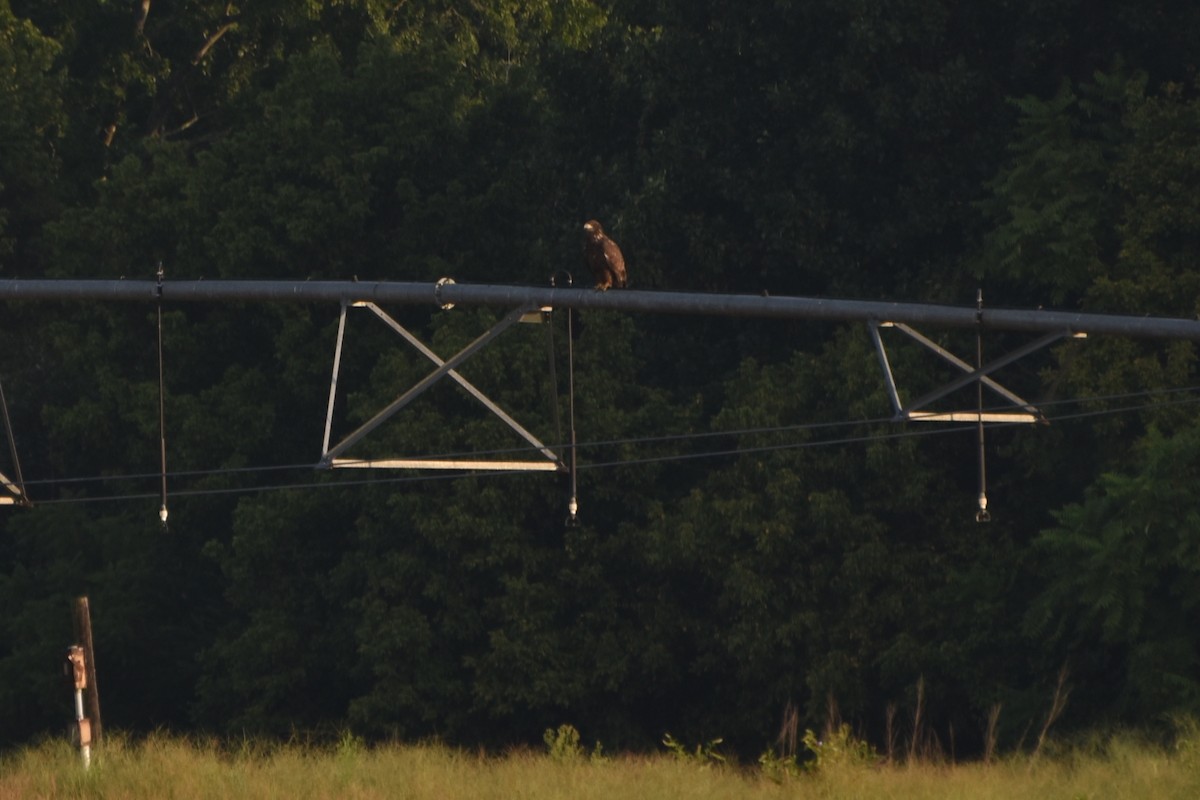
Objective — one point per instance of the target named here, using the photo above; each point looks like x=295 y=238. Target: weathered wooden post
x=81 y=665
x=77 y=670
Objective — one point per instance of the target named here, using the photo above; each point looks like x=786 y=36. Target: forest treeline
x=755 y=534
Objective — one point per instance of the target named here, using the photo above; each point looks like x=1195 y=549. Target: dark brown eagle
x=603 y=257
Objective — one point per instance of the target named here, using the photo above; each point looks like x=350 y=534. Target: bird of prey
x=603 y=257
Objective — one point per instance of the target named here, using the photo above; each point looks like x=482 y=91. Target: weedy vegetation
x=834 y=765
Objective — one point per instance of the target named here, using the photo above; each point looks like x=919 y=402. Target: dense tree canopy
x=754 y=534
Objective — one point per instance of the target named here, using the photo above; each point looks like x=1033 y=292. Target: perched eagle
x=603 y=257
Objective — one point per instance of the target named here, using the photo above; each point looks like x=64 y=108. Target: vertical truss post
x=889 y=380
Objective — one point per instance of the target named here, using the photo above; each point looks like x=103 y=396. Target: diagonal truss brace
x=330 y=457
x=1027 y=413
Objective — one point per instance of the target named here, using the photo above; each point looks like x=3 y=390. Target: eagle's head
x=592 y=228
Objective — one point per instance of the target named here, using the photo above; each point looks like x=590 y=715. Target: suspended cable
x=195 y=473
x=681 y=437
x=1124 y=409
x=1120 y=396
x=907 y=434
x=279 y=487
x=589 y=445
x=444 y=476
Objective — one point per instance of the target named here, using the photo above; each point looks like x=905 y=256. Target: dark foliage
x=754 y=534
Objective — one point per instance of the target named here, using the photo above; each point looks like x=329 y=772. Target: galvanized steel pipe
x=666 y=302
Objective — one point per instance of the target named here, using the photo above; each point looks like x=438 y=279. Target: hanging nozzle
x=983 y=515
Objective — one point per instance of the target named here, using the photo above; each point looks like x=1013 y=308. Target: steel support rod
x=734 y=305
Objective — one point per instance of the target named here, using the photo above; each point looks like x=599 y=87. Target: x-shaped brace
x=1027 y=412
x=331 y=456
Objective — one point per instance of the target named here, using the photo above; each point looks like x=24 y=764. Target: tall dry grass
x=1121 y=767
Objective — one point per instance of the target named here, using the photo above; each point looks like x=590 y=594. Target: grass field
x=162 y=766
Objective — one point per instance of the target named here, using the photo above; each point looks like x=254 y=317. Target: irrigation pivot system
x=530 y=303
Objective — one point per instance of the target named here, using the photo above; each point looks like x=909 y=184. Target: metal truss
x=1052 y=326
x=333 y=457
x=15 y=496
x=13 y=493
x=1024 y=411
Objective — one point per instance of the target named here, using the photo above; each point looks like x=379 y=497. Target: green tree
x=1120 y=583
x=151 y=604
x=1055 y=205
x=33 y=122
x=814 y=148
x=1089 y=212
x=284 y=657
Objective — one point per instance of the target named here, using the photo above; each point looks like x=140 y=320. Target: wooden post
x=77 y=672
x=83 y=635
